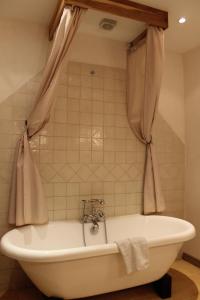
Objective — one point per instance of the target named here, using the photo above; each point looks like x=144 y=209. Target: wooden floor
x=186 y=282
x=189 y=270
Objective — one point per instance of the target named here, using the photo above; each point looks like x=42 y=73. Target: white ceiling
x=179 y=38
x=125 y=30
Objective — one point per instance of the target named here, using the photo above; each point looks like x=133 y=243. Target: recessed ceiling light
x=182 y=20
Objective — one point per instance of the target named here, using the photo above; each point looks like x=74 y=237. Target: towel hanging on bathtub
x=27 y=201
x=135 y=253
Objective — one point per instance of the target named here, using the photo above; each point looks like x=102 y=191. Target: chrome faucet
x=96 y=213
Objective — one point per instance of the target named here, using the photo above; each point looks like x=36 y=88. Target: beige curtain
x=27 y=201
x=145 y=66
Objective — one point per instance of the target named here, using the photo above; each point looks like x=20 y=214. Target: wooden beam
x=122 y=8
x=56 y=18
x=127 y=9
x=138 y=39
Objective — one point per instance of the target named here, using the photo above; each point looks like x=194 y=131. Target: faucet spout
x=95 y=227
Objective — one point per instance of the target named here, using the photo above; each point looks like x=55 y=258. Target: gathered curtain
x=27 y=200
x=145 y=68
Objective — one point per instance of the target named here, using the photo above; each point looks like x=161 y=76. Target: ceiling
x=125 y=30
x=179 y=38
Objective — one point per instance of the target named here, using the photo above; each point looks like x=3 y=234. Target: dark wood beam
x=122 y=8
x=138 y=39
x=56 y=18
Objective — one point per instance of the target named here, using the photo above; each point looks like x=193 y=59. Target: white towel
x=135 y=253
x=125 y=249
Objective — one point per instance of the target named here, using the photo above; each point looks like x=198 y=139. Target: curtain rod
x=135 y=47
x=122 y=8
x=138 y=41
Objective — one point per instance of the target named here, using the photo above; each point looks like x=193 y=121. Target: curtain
x=27 y=201
x=145 y=67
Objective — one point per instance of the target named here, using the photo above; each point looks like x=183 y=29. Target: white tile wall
x=88 y=145
x=87 y=150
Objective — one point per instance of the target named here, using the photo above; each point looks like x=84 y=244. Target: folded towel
x=140 y=252
x=135 y=253
x=125 y=249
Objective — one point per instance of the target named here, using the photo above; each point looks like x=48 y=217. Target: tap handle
x=101 y=214
x=100 y=201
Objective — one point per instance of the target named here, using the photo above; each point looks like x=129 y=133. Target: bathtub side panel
x=97 y=275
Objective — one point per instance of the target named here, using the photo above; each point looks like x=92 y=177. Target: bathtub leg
x=163 y=286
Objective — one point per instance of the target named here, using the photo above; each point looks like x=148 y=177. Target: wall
x=23 y=48
x=97 y=50
x=23 y=52
x=192 y=96
x=87 y=149
x=171 y=103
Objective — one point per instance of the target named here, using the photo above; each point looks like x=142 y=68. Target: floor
x=183 y=288
x=189 y=270
x=182 y=266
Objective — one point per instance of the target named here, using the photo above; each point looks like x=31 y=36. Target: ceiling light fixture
x=182 y=20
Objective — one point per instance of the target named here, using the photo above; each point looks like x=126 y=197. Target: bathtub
x=55 y=259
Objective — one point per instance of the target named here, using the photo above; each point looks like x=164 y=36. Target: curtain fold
x=27 y=200
x=145 y=68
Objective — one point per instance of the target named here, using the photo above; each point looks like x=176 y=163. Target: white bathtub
x=54 y=257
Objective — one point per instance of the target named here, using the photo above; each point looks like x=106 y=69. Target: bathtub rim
x=34 y=255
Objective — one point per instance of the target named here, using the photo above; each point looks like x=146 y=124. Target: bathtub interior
x=69 y=234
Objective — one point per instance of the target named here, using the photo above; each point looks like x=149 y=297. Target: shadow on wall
x=87 y=150
x=171 y=159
